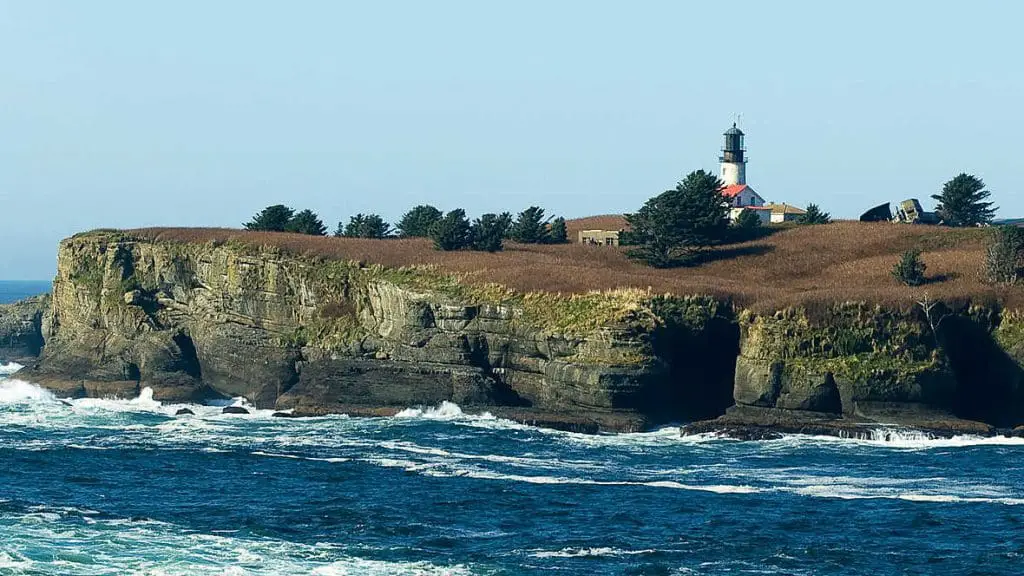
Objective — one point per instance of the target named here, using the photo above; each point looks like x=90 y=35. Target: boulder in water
x=234 y=410
x=184 y=412
x=284 y=415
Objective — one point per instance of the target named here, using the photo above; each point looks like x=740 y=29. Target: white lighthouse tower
x=734 y=164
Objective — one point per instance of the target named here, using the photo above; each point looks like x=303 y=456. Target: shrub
x=814 y=215
x=1003 y=255
x=910 y=269
x=452 y=232
x=747 y=220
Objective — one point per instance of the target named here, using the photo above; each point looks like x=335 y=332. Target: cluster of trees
x=667 y=230
x=454 y=231
x=451 y=231
x=678 y=224
x=280 y=218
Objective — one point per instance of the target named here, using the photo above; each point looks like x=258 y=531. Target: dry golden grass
x=843 y=261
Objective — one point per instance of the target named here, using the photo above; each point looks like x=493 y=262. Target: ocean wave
x=855 y=493
x=898 y=438
x=298 y=457
x=588 y=553
x=9 y=368
x=443 y=411
x=35 y=542
x=14 y=391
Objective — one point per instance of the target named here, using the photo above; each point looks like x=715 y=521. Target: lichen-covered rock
x=848 y=354
x=194 y=320
x=21 y=329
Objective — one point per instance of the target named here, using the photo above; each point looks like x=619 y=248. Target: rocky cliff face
x=21 y=329
x=840 y=362
x=850 y=364
x=198 y=320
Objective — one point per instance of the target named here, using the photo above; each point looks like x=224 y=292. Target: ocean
x=105 y=487
x=14 y=290
x=96 y=487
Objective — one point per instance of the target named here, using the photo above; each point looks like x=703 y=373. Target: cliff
x=291 y=330
x=195 y=320
x=21 y=337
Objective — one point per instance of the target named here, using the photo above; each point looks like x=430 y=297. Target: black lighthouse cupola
x=733 y=158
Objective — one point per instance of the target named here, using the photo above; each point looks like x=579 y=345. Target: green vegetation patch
x=1010 y=332
x=840 y=331
x=865 y=367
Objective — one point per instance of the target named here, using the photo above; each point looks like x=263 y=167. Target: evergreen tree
x=679 y=222
x=530 y=227
x=416 y=223
x=488 y=233
x=452 y=232
x=353 y=228
x=814 y=215
x=505 y=223
x=747 y=220
x=306 y=222
x=558 y=233
x=271 y=219
x=962 y=202
x=910 y=269
x=364 y=226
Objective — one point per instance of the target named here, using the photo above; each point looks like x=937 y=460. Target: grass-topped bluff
x=805 y=265
x=806 y=319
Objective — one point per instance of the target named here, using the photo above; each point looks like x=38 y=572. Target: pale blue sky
x=125 y=114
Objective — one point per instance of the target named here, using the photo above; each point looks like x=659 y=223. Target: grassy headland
x=808 y=265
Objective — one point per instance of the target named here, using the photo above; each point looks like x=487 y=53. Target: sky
x=196 y=113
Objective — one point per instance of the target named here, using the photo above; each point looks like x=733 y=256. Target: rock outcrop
x=21 y=338
x=849 y=366
x=846 y=359
x=192 y=321
x=311 y=336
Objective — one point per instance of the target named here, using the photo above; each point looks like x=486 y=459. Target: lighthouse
x=735 y=189
x=734 y=163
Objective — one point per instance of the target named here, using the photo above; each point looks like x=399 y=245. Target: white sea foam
x=895 y=438
x=519 y=461
x=444 y=411
x=157 y=548
x=9 y=368
x=14 y=391
x=588 y=553
x=297 y=457
x=845 y=492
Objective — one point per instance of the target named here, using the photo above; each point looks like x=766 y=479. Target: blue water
x=12 y=291
x=124 y=487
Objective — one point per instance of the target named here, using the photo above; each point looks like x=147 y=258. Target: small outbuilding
x=599 y=237
x=781 y=213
